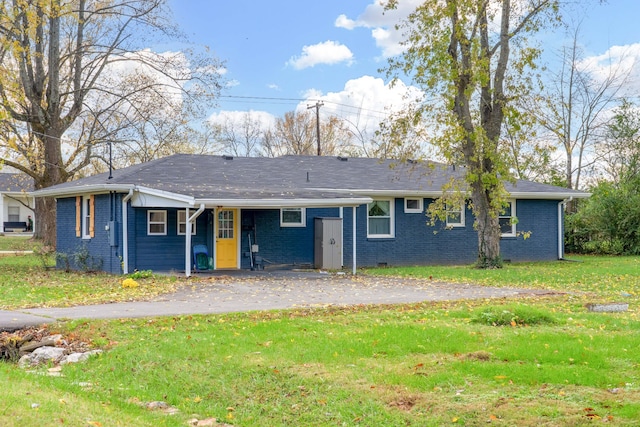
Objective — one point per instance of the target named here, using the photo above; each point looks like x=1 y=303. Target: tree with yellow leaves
x=75 y=75
x=471 y=58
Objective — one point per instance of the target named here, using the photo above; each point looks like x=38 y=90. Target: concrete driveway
x=222 y=293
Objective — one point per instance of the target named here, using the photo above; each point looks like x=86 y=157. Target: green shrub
x=86 y=262
x=512 y=316
x=141 y=274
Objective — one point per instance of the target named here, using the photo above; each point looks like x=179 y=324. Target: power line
x=266 y=98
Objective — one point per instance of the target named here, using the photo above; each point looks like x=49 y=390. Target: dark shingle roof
x=15 y=183
x=220 y=177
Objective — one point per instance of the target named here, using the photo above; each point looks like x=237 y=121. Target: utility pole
x=317 y=107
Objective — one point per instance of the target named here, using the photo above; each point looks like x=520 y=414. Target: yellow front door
x=227 y=238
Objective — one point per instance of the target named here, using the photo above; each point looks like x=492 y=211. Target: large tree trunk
x=488 y=228
x=45 y=223
x=53 y=173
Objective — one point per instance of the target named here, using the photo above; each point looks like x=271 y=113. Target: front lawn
x=606 y=277
x=18 y=243
x=24 y=282
x=412 y=365
x=552 y=363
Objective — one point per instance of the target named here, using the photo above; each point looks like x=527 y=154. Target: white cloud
x=343 y=22
x=273 y=86
x=364 y=102
x=329 y=52
x=382 y=24
x=266 y=119
x=621 y=62
x=142 y=68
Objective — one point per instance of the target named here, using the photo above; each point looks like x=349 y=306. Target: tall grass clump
x=512 y=315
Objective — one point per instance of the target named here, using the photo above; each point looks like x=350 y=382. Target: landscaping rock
x=78 y=357
x=32 y=347
x=162 y=407
x=46 y=354
x=612 y=307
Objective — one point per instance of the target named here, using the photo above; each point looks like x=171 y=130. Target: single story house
x=186 y=212
x=16 y=204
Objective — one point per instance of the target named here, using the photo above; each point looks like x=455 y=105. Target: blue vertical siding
x=280 y=245
x=540 y=218
x=165 y=253
x=418 y=243
x=103 y=256
x=415 y=242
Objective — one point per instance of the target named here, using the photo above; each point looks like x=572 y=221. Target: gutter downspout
x=125 y=233
x=561 y=206
x=341 y=215
x=187 y=246
x=353 y=238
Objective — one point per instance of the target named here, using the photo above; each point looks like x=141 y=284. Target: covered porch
x=243 y=234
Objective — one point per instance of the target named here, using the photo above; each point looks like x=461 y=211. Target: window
x=508 y=220
x=455 y=215
x=226 y=224
x=380 y=219
x=13 y=213
x=293 y=217
x=182 y=224
x=412 y=205
x=157 y=223
x=88 y=217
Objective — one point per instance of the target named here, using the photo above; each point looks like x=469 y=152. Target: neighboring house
x=16 y=204
x=327 y=212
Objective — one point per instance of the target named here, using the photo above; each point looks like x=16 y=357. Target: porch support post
x=187 y=244
x=341 y=214
x=561 y=206
x=125 y=232
x=1 y=213
x=187 y=236
x=353 y=237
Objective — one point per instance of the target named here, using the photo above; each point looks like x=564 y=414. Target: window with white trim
x=182 y=224
x=86 y=217
x=455 y=215
x=13 y=213
x=380 y=220
x=293 y=217
x=157 y=223
x=413 y=205
x=507 y=219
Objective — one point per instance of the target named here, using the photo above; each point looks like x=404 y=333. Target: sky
x=284 y=54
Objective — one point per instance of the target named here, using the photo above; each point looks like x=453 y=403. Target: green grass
x=516 y=315
x=608 y=277
x=420 y=364
x=553 y=363
x=25 y=283
x=18 y=243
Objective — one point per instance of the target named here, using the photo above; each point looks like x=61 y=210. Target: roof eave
x=549 y=196
x=396 y=193
x=539 y=195
x=166 y=194
x=284 y=203
x=73 y=191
